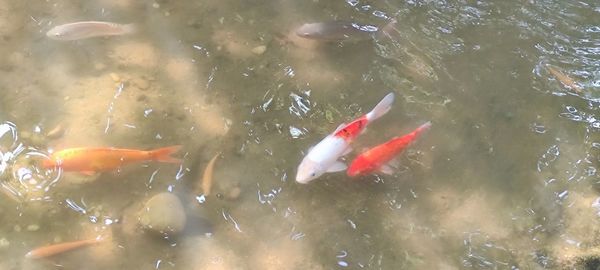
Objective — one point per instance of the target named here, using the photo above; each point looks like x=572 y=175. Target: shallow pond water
x=506 y=178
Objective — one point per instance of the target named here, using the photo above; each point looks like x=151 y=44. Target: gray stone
x=163 y=213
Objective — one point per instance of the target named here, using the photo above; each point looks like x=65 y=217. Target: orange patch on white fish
x=89 y=29
x=91 y=160
x=564 y=79
x=207 y=176
x=51 y=250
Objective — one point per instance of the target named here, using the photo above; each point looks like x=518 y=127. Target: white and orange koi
x=323 y=157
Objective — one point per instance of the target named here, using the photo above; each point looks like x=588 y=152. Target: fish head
x=359 y=167
x=52 y=161
x=353 y=171
x=58 y=33
x=55 y=33
x=48 y=163
x=309 y=170
x=309 y=30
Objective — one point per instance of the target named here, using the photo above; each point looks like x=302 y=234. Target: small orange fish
x=91 y=160
x=564 y=79
x=207 y=177
x=51 y=250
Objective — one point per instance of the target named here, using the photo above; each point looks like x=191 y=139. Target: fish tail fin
x=424 y=127
x=413 y=135
x=164 y=154
x=130 y=28
x=381 y=108
x=417 y=132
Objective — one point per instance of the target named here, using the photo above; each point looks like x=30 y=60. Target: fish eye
x=313 y=174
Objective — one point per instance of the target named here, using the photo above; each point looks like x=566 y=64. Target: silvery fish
x=89 y=29
x=339 y=31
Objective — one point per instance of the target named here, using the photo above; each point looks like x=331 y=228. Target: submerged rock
x=163 y=213
x=258 y=50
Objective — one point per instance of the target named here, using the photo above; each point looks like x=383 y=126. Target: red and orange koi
x=376 y=158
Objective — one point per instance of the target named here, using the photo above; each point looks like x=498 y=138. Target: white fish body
x=324 y=156
x=89 y=29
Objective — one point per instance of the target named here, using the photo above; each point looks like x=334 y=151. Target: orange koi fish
x=91 y=160
x=376 y=158
x=51 y=250
x=207 y=177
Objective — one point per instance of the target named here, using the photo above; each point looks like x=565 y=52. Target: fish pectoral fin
x=347 y=151
x=88 y=173
x=394 y=163
x=363 y=131
x=386 y=169
x=337 y=167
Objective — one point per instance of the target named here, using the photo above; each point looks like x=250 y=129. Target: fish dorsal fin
x=337 y=167
x=386 y=169
x=339 y=128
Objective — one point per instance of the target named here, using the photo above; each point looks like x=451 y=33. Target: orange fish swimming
x=91 y=160
x=376 y=158
x=51 y=250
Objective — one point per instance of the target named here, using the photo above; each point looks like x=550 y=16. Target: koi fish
x=564 y=79
x=51 y=250
x=340 y=30
x=323 y=157
x=89 y=29
x=91 y=160
x=207 y=177
x=376 y=158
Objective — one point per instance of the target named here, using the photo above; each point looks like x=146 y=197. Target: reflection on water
x=22 y=179
x=505 y=179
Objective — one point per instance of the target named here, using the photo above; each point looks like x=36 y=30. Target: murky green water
x=505 y=179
